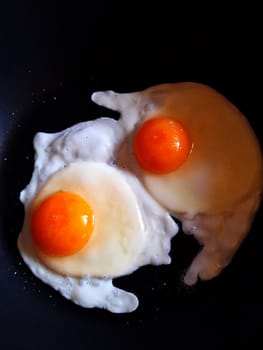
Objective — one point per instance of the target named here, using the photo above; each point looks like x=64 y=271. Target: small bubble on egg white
x=117 y=292
x=15 y=272
x=94 y=283
x=82 y=282
x=68 y=282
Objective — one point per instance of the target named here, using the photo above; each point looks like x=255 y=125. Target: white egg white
x=93 y=140
x=94 y=143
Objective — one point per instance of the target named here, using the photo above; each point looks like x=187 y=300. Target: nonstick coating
x=53 y=55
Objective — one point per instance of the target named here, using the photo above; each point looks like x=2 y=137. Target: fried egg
x=87 y=221
x=198 y=156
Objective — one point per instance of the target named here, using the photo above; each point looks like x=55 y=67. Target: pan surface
x=52 y=57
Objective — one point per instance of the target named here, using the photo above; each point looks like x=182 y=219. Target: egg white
x=217 y=191
x=70 y=151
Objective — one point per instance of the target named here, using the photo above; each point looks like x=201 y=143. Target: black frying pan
x=52 y=57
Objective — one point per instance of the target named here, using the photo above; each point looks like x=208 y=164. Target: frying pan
x=52 y=57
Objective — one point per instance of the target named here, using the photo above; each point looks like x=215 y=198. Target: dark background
x=53 y=55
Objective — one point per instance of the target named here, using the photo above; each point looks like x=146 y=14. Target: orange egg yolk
x=161 y=145
x=62 y=224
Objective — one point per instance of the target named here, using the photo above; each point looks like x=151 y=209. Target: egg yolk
x=161 y=145
x=62 y=224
